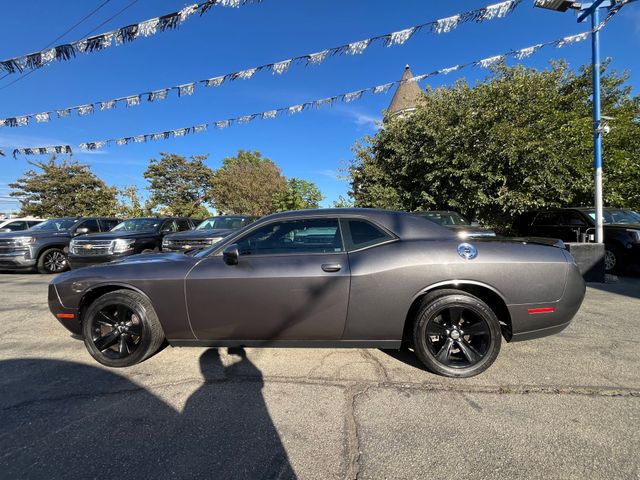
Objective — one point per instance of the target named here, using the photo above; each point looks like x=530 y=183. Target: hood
x=630 y=226
x=114 y=235
x=194 y=234
x=147 y=258
x=36 y=233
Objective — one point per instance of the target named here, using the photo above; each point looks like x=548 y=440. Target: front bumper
x=632 y=254
x=17 y=260
x=68 y=317
x=78 y=261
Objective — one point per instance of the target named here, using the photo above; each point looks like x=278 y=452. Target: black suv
x=135 y=235
x=45 y=245
x=621 y=231
x=210 y=231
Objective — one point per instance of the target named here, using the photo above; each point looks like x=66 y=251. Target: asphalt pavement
x=564 y=407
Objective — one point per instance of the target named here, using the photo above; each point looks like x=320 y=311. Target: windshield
x=138 y=225
x=220 y=223
x=55 y=224
x=617 y=216
x=445 y=218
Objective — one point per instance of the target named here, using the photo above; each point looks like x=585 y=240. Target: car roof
x=406 y=226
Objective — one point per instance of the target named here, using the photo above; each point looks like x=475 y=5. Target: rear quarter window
x=360 y=233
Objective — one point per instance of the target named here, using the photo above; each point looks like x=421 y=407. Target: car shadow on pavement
x=627 y=285
x=69 y=420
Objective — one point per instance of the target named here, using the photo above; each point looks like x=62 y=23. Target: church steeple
x=407 y=95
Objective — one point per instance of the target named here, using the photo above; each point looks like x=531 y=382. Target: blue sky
x=312 y=145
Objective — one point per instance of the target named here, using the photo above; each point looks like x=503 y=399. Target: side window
x=547 y=218
x=573 y=219
x=320 y=235
x=15 y=226
x=169 y=225
x=361 y=233
x=108 y=224
x=31 y=223
x=91 y=224
x=183 y=224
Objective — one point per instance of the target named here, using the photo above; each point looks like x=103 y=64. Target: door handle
x=331 y=267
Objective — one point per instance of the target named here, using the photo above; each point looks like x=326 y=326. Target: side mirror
x=474 y=224
x=82 y=231
x=166 y=231
x=230 y=254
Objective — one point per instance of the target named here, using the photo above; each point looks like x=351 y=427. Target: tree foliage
x=65 y=188
x=518 y=140
x=247 y=184
x=129 y=204
x=298 y=195
x=179 y=186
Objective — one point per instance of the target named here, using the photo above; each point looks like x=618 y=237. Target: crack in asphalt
x=351 y=425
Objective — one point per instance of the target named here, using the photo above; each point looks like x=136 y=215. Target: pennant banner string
x=294 y=109
x=119 y=36
x=490 y=12
x=612 y=12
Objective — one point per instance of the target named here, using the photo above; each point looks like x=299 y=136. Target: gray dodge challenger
x=357 y=278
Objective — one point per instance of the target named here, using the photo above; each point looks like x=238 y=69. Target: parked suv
x=621 y=231
x=136 y=235
x=210 y=231
x=45 y=245
x=457 y=222
x=17 y=224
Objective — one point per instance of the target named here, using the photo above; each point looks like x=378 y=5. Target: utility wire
x=69 y=30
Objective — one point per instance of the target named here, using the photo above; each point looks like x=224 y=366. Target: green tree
x=518 y=140
x=247 y=184
x=129 y=204
x=179 y=186
x=343 y=202
x=65 y=188
x=298 y=195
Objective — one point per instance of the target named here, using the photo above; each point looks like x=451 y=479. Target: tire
x=447 y=350
x=121 y=329
x=613 y=259
x=52 y=260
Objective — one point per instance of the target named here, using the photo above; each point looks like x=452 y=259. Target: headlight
x=213 y=240
x=122 y=245
x=25 y=240
x=635 y=235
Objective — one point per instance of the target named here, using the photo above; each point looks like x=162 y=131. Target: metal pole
x=597 y=131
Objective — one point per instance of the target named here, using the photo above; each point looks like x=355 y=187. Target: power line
x=73 y=27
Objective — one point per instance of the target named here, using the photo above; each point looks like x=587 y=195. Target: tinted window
x=360 y=233
x=91 y=224
x=296 y=236
x=56 y=224
x=169 y=225
x=224 y=223
x=572 y=219
x=15 y=226
x=138 y=225
x=547 y=218
x=183 y=224
x=33 y=222
x=445 y=218
x=108 y=224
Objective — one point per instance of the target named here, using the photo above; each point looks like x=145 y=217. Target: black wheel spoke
x=130 y=343
x=468 y=351
x=121 y=313
x=436 y=329
x=107 y=319
x=123 y=348
x=455 y=315
x=106 y=341
x=445 y=352
x=476 y=329
x=135 y=330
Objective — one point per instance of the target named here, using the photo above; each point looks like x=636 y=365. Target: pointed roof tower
x=407 y=95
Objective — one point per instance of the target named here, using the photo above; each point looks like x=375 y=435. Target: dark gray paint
x=289 y=299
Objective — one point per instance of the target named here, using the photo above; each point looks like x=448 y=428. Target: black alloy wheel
x=52 y=261
x=121 y=328
x=456 y=334
x=613 y=259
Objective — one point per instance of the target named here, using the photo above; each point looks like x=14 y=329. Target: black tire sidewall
x=141 y=307
x=432 y=309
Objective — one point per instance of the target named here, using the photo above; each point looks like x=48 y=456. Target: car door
x=291 y=283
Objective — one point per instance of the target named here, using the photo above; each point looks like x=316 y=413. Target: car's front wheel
x=456 y=334
x=121 y=329
x=52 y=260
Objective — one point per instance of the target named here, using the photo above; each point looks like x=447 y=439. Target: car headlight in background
x=122 y=245
x=25 y=240
x=635 y=235
x=213 y=240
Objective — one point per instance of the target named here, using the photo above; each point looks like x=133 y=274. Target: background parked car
x=621 y=231
x=135 y=235
x=457 y=222
x=17 y=224
x=210 y=231
x=44 y=246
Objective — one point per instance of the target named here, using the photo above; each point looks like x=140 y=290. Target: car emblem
x=467 y=251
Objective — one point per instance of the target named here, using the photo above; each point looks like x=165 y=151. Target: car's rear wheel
x=121 y=329
x=612 y=259
x=456 y=334
x=52 y=260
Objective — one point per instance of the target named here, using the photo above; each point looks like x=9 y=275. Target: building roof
x=407 y=95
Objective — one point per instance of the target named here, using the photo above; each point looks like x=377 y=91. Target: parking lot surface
x=566 y=406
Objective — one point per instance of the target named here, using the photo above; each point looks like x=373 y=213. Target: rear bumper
x=68 y=317
x=18 y=260
x=537 y=320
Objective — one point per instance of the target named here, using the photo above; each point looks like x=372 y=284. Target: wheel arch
x=492 y=297
x=95 y=292
x=49 y=246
